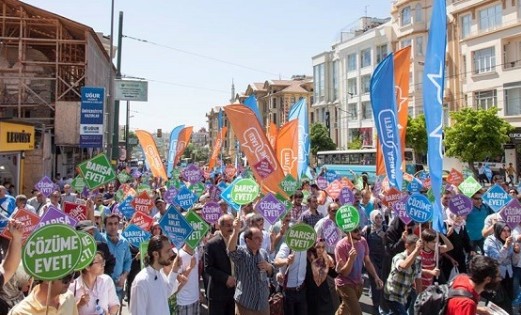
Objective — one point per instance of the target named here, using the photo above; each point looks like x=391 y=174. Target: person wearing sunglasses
x=476 y=221
x=61 y=300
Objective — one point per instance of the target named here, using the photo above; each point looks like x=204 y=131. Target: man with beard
x=152 y=287
x=483 y=275
x=221 y=286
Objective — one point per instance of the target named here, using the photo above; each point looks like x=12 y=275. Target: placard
x=300 y=237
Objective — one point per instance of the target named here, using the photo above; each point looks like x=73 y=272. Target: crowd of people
x=244 y=261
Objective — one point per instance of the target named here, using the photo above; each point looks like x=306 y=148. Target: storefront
x=15 y=139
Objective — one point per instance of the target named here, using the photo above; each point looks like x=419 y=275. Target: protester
x=319 y=298
x=428 y=255
x=68 y=195
x=458 y=236
x=48 y=297
x=14 y=290
x=352 y=253
x=405 y=273
x=94 y=291
x=152 y=286
x=37 y=201
x=89 y=227
x=252 y=268
x=188 y=291
x=311 y=215
x=221 y=286
x=482 y=275
x=374 y=234
x=475 y=221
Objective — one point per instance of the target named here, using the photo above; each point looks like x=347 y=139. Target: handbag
x=276 y=299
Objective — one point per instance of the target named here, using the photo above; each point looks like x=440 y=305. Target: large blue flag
x=433 y=81
x=383 y=102
x=174 y=135
x=251 y=103
x=220 y=119
x=299 y=111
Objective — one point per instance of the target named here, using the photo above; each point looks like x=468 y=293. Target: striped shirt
x=252 y=290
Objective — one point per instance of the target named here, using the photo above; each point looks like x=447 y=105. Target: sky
x=196 y=48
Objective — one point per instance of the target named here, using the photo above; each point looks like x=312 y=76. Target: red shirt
x=429 y=263
x=461 y=305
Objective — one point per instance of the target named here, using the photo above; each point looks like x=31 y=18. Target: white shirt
x=297 y=270
x=103 y=291
x=150 y=292
x=189 y=293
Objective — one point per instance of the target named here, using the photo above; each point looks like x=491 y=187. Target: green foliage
x=476 y=134
x=356 y=144
x=320 y=140
x=416 y=135
x=197 y=153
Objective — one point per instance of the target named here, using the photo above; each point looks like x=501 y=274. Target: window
x=513 y=101
x=365 y=83
x=484 y=60
x=418 y=15
x=381 y=53
x=419 y=46
x=351 y=87
x=367 y=110
x=406 y=42
x=464 y=66
x=319 y=85
x=335 y=80
x=485 y=99
x=274 y=103
x=490 y=18
x=365 y=58
x=465 y=25
x=353 y=113
x=406 y=16
x=351 y=62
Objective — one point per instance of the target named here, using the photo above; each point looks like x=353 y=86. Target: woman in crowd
x=458 y=236
x=374 y=234
x=94 y=291
x=317 y=290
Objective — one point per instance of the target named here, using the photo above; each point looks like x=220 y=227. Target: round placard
x=300 y=237
x=347 y=218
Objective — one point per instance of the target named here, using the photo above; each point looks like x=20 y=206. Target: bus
x=348 y=163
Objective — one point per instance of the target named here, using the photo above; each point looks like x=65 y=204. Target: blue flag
x=300 y=111
x=433 y=81
x=383 y=102
x=251 y=103
x=174 y=135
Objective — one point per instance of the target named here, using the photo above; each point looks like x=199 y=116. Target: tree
x=416 y=135
x=476 y=135
x=320 y=140
x=356 y=144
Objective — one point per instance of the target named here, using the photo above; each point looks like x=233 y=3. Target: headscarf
x=498 y=228
x=372 y=218
x=451 y=220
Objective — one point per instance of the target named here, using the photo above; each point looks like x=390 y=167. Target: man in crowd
x=152 y=287
x=252 y=269
x=217 y=265
x=311 y=215
x=119 y=248
x=68 y=195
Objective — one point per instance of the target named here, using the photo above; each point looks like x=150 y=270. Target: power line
x=176 y=84
x=201 y=55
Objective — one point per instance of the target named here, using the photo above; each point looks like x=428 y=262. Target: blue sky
x=274 y=38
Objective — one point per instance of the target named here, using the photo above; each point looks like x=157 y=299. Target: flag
x=402 y=64
x=287 y=148
x=220 y=119
x=217 y=147
x=384 y=111
x=182 y=143
x=251 y=103
x=300 y=111
x=433 y=81
x=254 y=145
x=174 y=136
x=272 y=133
x=151 y=154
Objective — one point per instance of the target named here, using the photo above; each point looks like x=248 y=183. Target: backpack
x=434 y=299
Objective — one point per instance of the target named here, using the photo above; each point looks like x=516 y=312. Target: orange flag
x=287 y=148
x=151 y=154
x=217 y=147
x=402 y=64
x=255 y=146
x=272 y=133
x=182 y=143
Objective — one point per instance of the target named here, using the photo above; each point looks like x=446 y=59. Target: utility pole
x=115 y=134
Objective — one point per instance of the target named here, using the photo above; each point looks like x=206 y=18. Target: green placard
x=469 y=186
x=200 y=229
x=52 y=252
x=88 y=250
x=347 y=218
x=197 y=189
x=119 y=195
x=300 y=237
x=289 y=185
x=123 y=177
x=144 y=187
x=244 y=191
x=97 y=171
x=430 y=195
x=78 y=183
x=175 y=174
x=467 y=172
x=143 y=249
